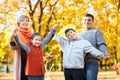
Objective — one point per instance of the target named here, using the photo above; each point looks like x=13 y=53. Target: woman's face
x=24 y=23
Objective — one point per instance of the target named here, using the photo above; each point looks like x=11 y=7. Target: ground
x=103 y=75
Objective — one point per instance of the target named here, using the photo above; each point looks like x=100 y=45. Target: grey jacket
x=95 y=37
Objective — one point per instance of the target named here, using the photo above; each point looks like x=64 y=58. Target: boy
x=34 y=68
x=73 y=54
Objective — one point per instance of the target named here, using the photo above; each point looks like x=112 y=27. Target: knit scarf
x=24 y=34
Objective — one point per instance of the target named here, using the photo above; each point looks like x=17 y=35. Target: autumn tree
x=44 y=14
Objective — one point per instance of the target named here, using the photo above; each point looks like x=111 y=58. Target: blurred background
x=44 y=14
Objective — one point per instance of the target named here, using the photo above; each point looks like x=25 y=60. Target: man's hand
x=106 y=56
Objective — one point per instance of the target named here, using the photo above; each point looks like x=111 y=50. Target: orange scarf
x=24 y=34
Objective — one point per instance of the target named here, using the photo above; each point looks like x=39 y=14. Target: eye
x=89 y=20
x=36 y=39
x=27 y=20
x=39 y=39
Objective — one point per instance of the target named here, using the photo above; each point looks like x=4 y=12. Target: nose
x=71 y=35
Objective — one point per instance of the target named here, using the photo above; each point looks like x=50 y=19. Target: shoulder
x=82 y=40
x=96 y=30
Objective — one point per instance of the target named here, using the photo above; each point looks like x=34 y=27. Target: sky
x=1 y=1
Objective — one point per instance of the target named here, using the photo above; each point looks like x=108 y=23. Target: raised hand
x=13 y=34
x=55 y=27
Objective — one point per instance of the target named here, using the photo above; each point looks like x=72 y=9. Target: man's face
x=71 y=35
x=88 y=22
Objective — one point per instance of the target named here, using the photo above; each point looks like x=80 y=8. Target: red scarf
x=24 y=34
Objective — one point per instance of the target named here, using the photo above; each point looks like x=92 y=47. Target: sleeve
x=48 y=38
x=88 y=48
x=12 y=43
x=101 y=42
x=60 y=40
x=22 y=45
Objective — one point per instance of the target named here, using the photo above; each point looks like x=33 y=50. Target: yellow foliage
x=66 y=13
x=77 y=1
x=62 y=2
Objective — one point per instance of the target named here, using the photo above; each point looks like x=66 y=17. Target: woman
x=20 y=56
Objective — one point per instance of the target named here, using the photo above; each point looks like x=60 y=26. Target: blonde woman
x=20 y=55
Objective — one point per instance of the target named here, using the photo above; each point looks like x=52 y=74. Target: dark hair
x=89 y=15
x=35 y=34
x=67 y=30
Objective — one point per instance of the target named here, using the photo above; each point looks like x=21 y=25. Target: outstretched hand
x=106 y=56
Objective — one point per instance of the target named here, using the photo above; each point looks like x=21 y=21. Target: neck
x=88 y=28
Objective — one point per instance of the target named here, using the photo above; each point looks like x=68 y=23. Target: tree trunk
x=61 y=61
x=116 y=59
x=7 y=66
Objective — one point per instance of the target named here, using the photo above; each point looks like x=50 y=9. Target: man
x=95 y=37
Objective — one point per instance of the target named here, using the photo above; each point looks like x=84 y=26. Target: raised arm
x=22 y=45
x=48 y=37
x=13 y=44
x=60 y=40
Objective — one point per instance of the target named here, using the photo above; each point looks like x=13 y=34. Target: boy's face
x=24 y=23
x=71 y=35
x=88 y=22
x=36 y=41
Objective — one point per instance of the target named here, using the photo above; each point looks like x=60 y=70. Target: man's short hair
x=89 y=15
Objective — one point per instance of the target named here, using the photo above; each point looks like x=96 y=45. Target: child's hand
x=55 y=28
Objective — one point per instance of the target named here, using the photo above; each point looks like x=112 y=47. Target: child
x=34 y=65
x=73 y=54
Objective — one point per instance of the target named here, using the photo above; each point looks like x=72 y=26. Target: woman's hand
x=13 y=34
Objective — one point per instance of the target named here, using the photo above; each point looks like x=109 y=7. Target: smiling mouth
x=25 y=24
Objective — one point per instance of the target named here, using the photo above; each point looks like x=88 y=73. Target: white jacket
x=74 y=52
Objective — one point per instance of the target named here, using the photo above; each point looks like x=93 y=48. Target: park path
x=108 y=75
